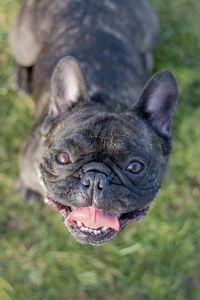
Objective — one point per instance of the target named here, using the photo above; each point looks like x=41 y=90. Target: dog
x=98 y=150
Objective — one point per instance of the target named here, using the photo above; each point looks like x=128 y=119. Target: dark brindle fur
x=104 y=123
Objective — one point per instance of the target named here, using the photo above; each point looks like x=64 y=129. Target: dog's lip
x=92 y=238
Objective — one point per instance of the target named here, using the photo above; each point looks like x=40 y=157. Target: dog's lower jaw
x=93 y=236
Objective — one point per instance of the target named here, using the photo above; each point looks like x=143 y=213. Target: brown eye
x=63 y=158
x=135 y=167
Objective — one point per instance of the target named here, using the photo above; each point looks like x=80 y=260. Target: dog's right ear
x=67 y=90
x=67 y=86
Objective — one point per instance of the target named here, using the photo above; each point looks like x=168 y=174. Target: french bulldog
x=98 y=150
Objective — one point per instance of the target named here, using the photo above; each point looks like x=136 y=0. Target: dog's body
x=87 y=141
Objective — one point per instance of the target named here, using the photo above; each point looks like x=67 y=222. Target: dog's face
x=101 y=170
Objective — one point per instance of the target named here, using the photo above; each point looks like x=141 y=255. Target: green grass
x=157 y=258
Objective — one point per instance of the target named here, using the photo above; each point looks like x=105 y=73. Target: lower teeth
x=93 y=231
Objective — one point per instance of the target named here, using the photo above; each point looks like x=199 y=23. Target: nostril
x=101 y=185
x=85 y=182
x=87 y=179
x=101 y=181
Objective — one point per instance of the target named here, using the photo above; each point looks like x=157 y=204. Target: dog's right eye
x=62 y=158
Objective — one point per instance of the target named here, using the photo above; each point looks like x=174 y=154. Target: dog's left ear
x=158 y=102
x=67 y=86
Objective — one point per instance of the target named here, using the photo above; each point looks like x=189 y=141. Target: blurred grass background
x=157 y=258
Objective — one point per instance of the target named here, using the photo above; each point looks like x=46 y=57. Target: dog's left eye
x=62 y=158
x=135 y=167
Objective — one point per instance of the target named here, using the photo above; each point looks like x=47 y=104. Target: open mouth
x=90 y=225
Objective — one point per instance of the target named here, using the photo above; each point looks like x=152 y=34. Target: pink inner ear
x=67 y=85
x=158 y=101
x=94 y=218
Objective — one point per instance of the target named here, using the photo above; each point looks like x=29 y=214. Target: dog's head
x=101 y=170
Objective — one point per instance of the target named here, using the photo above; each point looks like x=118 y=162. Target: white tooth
x=63 y=212
x=90 y=230
x=46 y=200
x=104 y=229
x=96 y=232
x=79 y=223
x=85 y=229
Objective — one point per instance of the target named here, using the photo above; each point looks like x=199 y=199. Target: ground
x=157 y=258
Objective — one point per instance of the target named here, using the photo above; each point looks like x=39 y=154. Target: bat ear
x=158 y=102
x=67 y=86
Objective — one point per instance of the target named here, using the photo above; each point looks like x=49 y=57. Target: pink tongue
x=94 y=218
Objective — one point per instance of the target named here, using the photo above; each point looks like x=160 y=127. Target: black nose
x=94 y=180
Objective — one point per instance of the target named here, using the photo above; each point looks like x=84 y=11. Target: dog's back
x=112 y=40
